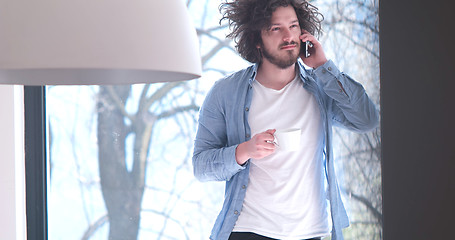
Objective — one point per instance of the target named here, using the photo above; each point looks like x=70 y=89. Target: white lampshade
x=66 y=42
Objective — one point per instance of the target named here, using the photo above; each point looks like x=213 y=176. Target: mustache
x=288 y=43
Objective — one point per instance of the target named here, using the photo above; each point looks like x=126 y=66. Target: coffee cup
x=288 y=139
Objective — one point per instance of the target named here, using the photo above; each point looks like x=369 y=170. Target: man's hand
x=259 y=146
x=317 y=55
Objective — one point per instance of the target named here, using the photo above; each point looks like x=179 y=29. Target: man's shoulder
x=230 y=87
x=236 y=79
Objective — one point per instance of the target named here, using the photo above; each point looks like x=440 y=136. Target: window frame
x=35 y=162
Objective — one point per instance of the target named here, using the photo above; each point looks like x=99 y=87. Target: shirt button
x=329 y=68
x=236 y=212
x=247 y=109
x=247 y=135
x=243 y=187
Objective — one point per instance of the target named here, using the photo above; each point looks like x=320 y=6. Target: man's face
x=280 y=43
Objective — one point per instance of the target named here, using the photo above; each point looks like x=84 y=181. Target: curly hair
x=247 y=18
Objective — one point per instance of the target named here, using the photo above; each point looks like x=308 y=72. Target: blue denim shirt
x=223 y=124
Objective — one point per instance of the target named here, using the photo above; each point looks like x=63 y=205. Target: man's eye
x=275 y=29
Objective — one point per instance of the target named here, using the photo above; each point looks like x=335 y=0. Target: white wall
x=12 y=171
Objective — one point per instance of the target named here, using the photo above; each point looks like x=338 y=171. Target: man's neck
x=275 y=77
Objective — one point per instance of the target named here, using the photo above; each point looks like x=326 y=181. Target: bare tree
x=123 y=188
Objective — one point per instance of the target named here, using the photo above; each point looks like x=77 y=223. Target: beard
x=288 y=59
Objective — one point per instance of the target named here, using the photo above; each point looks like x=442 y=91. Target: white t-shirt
x=286 y=197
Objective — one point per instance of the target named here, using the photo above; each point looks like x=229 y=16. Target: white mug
x=288 y=139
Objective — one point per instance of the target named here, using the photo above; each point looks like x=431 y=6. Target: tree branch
x=94 y=227
x=118 y=103
x=222 y=72
x=160 y=93
x=365 y=47
x=209 y=31
x=214 y=50
x=176 y=110
x=376 y=213
x=372 y=27
x=217 y=28
x=221 y=43
x=143 y=98
x=167 y=216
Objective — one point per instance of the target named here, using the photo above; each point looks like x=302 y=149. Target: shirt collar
x=254 y=71
x=303 y=72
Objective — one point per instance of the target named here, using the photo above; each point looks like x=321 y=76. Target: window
x=125 y=151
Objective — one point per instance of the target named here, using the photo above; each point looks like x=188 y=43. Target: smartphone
x=304 y=48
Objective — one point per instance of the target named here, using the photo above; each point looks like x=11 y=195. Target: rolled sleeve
x=213 y=159
x=334 y=82
x=216 y=164
x=326 y=72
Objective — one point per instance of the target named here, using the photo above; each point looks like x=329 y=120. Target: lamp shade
x=80 y=42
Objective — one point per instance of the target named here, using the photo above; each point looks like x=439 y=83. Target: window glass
x=125 y=151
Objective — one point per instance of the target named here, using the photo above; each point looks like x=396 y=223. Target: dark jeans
x=254 y=236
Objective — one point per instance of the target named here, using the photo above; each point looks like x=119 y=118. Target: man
x=272 y=193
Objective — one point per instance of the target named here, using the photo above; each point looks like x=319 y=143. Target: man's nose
x=287 y=36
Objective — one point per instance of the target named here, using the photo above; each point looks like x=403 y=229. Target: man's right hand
x=259 y=146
